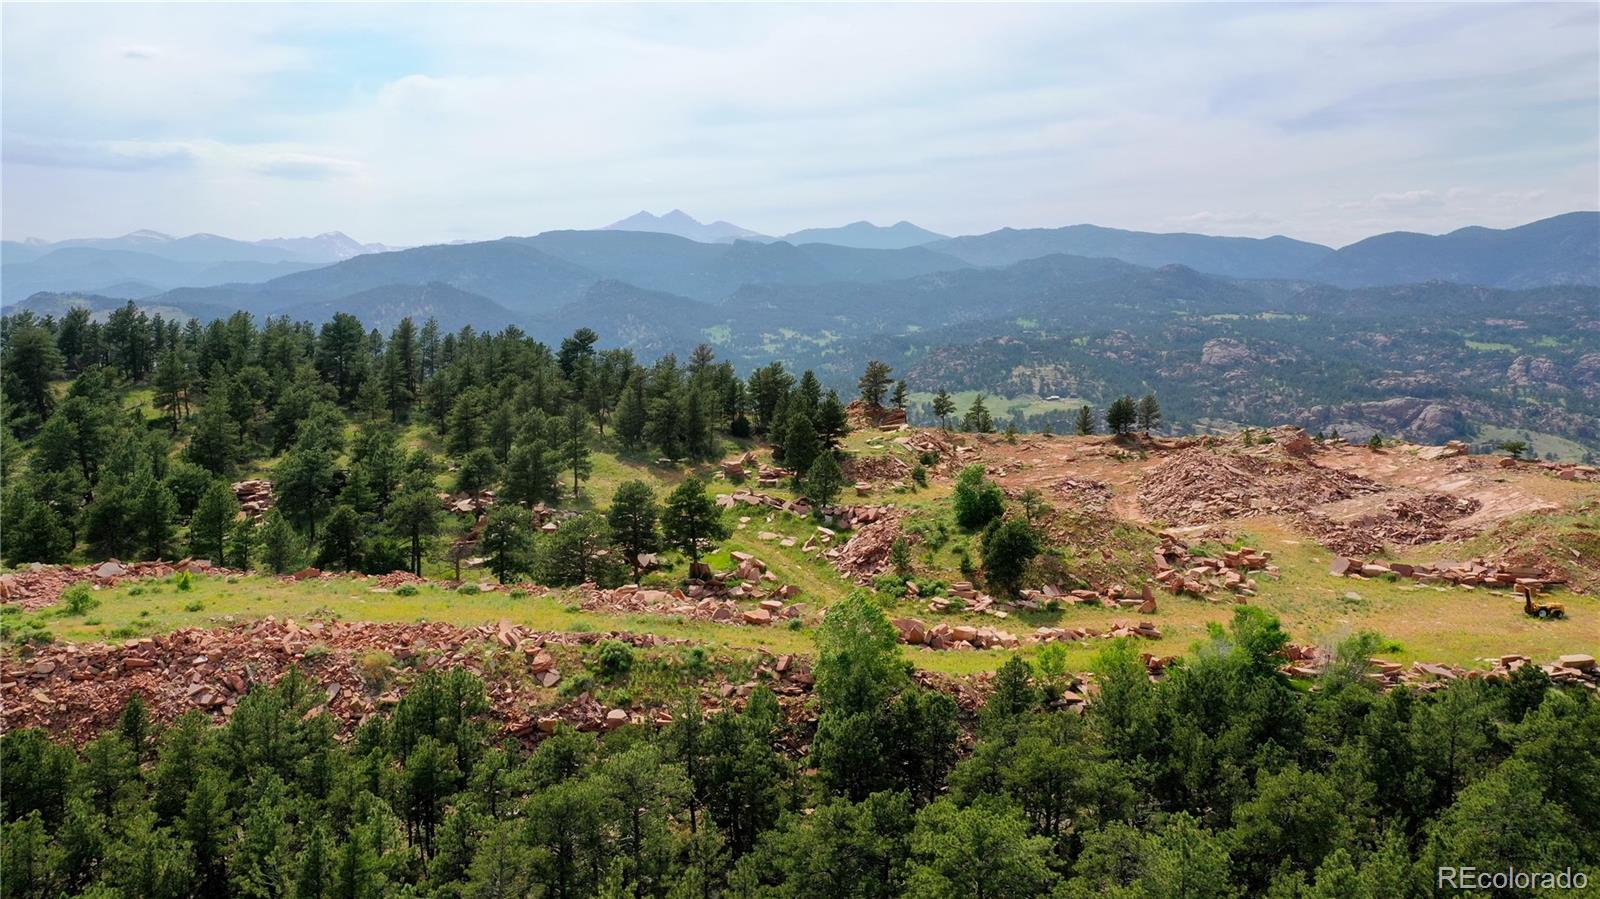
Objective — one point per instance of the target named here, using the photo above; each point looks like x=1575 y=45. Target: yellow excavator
x=1542 y=610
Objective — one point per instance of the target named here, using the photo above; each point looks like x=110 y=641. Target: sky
x=426 y=123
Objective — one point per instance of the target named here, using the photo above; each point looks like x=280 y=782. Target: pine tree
x=691 y=518
x=341 y=539
x=944 y=405
x=874 y=383
x=632 y=517
x=213 y=441
x=241 y=544
x=531 y=474
x=155 y=508
x=578 y=552
x=1121 y=415
x=800 y=444
x=413 y=515
x=1008 y=546
x=573 y=445
x=978 y=420
x=1085 y=421
x=1149 y=413
x=900 y=396
x=824 y=480
x=33 y=533
x=508 y=541
x=630 y=413
x=172 y=387
x=832 y=422
x=278 y=550
x=213 y=517
x=304 y=483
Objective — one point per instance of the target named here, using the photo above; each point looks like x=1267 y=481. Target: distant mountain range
x=1560 y=250
x=681 y=224
x=868 y=236
x=145 y=263
x=532 y=277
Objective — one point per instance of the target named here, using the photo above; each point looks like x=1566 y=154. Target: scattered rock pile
x=1198 y=486
x=876 y=470
x=1409 y=521
x=1309 y=663
x=1116 y=596
x=1180 y=572
x=39 y=586
x=467 y=503
x=1566 y=471
x=1083 y=496
x=254 y=496
x=866 y=554
x=1472 y=573
x=916 y=632
x=751 y=498
x=711 y=598
x=1145 y=629
x=737 y=470
x=80 y=689
x=949 y=455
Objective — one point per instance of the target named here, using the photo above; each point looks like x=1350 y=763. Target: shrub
x=614 y=659
x=185 y=582
x=919 y=475
x=977 y=501
x=194 y=606
x=695 y=663
x=518 y=593
x=468 y=590
x=375 y=669
x=406 y=590
x=77 y=600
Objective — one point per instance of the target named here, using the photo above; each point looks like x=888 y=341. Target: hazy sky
x=412 y=124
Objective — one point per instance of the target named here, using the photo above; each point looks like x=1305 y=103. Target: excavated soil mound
x=1196 y=486
x=875 y=469
x=866 y=554
x=1412 y=520
x=1082 y=495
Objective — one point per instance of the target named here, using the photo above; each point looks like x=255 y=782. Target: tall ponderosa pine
x=944 y=406
x=691 y=519
x=978 y=420
x=1121 y=415
x=633 y=516
x=1084 y=424
x=573 y=445
x=1149 y=413
x=800 y=443
x=824 y=480
x=874 y=382
x=508 y=541
x=213 y=517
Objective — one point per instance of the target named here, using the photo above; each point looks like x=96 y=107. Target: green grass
x=1539 y=442
x=1001 y=407
x=1490 y=346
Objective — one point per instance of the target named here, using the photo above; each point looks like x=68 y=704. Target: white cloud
x=424 y=122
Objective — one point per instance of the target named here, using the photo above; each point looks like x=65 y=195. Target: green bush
x=406 y=590
x=77 y=600
x=468 y=590
x=614 y=659
x=185 y=582
x=194 y=606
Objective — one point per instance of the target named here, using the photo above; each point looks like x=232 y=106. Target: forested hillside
x=677 y=754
